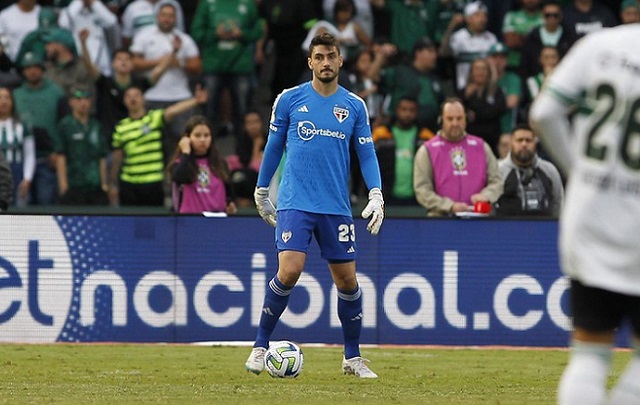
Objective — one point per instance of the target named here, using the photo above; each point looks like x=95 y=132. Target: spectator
x=532 y=185
x=630 y=11
x=226 y=32
x=94 y=16
x=6 y=184
x=149 y=48
x=64 y=68
x=16 y=21
x=549 y=59
x=245 y=163
x=410 y=21
x=351 y=35
x=140 y=14
x=81 y=153
x=550 y=33
x=110 y=89
x=485 y=103
x=287 y=24
x=517 y=25
x=469 y=43
x=363 y=14
x=443 y=14
x=199 y=174
x=17 y=144
x=396 y=146
x=417 y=80
x=455 y=169
x=510 y=84
x=138 y=160
x=39 y=103
x=585 y=16
x=362 y=82
x=35 y=41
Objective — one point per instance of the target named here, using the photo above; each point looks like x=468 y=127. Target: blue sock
x=350 y=314
x=275 y=302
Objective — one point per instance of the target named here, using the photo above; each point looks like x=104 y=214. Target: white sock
x=627 y=390
x=584 y=379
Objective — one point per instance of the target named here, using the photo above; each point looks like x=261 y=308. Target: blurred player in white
x=599 y=149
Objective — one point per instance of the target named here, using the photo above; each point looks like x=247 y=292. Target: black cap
x=423 y=43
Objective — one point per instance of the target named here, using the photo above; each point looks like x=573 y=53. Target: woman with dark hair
x=199 y=175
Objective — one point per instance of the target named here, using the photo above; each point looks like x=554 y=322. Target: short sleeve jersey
x=318 y=132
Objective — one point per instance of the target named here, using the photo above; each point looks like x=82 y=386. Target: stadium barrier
x=68 y=278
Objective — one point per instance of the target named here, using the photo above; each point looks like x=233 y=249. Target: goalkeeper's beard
x=327 y=79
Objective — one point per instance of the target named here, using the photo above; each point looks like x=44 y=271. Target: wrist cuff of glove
x=375 y=193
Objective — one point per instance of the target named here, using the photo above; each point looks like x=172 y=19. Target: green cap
x=47 y=18
x=31 y=59
x=61 y=36
x=497 y=48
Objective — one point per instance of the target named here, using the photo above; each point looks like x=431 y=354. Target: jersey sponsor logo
x=273 y=128
x=286 y=235
x=307 y=130
x=365 y=139
x=303 y=109
x=340 y=113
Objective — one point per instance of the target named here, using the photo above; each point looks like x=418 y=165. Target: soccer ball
x=284 y=359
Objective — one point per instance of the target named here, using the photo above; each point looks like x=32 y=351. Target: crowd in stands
x=98 y=98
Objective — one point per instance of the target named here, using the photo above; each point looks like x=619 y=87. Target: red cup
x=482 y=207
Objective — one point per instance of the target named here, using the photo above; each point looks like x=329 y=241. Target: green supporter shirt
x=39 y=108
x=84 y=145
x=405 y=150
x=225 y=56
x=409 y=22
x=510 y=84
x=404 y=80
x=141 y=143
x=521 y=23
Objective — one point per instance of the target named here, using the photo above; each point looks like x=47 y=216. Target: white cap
x=472 y=8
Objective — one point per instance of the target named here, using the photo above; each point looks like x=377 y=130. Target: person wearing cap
x=630 y=12
x=39 y=103
x=35 y=40
x=517 y=24
x=417 y=80
x=64 y=67
x=468 y=43
x=509 y=82
x=550 y=33
x=81 y=153
x=16 y=22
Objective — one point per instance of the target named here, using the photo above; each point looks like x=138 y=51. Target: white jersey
x=600 y=221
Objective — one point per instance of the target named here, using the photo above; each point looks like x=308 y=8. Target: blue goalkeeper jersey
x=316 y=132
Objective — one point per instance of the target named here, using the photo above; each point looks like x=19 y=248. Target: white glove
x=375 y=210
x=264 y=205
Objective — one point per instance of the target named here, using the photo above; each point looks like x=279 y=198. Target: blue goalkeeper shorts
x=335 y=234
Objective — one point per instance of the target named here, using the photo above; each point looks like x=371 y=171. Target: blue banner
x=189 y=278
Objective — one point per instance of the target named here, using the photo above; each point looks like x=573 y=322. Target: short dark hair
x=121 y=50
x=324 y=39
x=522 y=127
x=410 y=98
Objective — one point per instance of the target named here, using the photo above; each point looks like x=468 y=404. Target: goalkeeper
x=317 y=122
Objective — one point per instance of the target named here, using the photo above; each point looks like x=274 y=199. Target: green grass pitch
x=185 y=374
